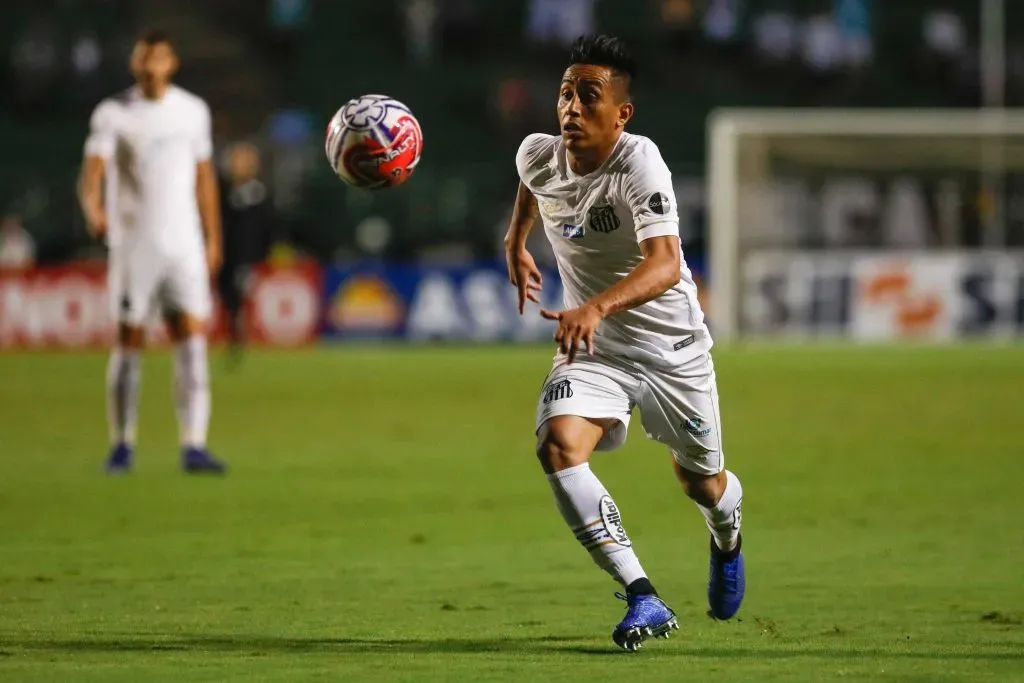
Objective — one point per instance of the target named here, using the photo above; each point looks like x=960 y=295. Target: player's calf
x=124 y=370
x=192 y=394
x=719 y=497
x=565 y=445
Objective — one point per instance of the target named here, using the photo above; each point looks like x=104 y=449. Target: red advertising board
x=67 y=307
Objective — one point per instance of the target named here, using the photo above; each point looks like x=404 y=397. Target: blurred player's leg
x=188 y=301
x=123 y=376
x=229 y=286
x=131 y=285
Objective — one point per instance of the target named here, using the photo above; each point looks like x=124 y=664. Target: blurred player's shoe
x=119 y=461
x=727 y=580
x=646 y=616
x=200 y=461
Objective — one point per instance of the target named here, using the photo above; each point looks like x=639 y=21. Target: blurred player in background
x=248 y=232
x=632 y=333
x=149 y=187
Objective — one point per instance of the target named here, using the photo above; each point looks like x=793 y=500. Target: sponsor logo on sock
x=737 y=515
x=558 y=390
x=613 y=521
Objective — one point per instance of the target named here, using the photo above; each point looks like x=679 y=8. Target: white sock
x=123 y=374
x=192 y=391
x=595 y=520
x=724 y=519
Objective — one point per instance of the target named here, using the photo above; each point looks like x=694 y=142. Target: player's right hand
x=97 y=225
x=523 y=273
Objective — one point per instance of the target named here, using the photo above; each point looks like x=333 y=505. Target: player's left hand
x=575 y=325
x=214 y=257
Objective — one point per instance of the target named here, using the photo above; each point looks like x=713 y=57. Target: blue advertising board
x=423 y=303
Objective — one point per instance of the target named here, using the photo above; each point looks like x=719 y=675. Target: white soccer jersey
x=595 y=224
x=151 y=149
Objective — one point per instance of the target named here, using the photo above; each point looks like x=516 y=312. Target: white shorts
x=140 y=283
x=678 y=406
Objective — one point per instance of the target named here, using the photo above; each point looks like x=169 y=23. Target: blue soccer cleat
x=119 y=461
x=727 y=581
x=200 y=461
x=646 y=617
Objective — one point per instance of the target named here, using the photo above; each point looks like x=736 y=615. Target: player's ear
x=625 y=113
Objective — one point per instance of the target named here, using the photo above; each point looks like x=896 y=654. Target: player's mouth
x=571 y=128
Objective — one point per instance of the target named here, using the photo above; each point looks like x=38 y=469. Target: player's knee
x=181 y=326
x=557 y=453
x=703 y=489
x=130 y=337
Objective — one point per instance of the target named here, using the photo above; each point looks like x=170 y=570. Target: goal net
x=866 y=224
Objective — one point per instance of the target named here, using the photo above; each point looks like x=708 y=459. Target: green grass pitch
x=385 y=520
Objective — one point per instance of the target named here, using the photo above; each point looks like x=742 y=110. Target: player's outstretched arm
x=522 y=270
x=656 y=274
x=90 y=195
x=208 y=200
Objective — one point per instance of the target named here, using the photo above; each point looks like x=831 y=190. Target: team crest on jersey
x=603 y=219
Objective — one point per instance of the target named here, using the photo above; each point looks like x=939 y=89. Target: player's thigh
x=594 y=391
x=133 y=281
x=679 y=408
x=185 y=294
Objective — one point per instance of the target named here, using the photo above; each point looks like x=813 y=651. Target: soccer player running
x=148 y=186
x=632 y=332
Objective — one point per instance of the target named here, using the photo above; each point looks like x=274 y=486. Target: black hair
x=154 y=36
x=604 y=50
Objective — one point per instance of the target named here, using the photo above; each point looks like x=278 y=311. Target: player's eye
x=566 y=95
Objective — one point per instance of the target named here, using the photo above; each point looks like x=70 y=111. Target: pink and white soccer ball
x=374 y=142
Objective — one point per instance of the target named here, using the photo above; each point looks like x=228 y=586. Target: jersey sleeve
x=202 y=144
x=648 y=191
x=530 y=155
x=102 y=139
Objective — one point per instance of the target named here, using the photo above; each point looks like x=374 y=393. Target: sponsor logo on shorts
x=556 y=391
x=658 y=203
x=572 y=232
x=695 y=427
x=612 y=521
x=603 y=219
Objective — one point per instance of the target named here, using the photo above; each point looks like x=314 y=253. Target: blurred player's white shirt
x=595 y=224
x=152 y=148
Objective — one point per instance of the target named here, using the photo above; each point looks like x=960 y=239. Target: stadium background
x=418 y=262
x=384 y=518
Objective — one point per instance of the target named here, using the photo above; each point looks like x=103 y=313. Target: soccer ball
x=374 y=142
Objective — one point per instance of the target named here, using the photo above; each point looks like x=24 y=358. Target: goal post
x=800 y=197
